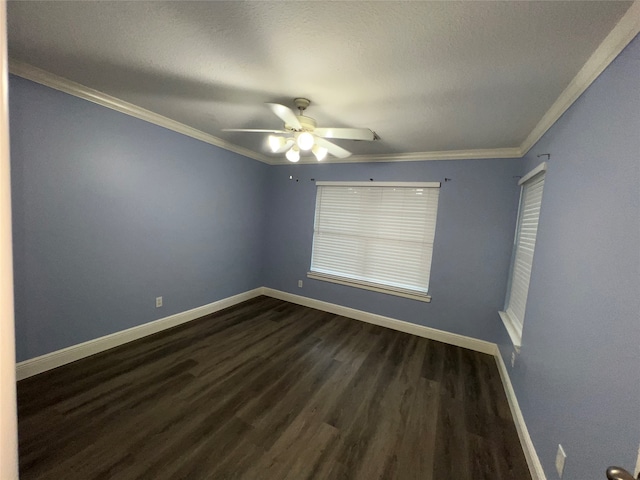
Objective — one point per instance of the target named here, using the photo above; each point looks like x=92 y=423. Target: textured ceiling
x=426 y=76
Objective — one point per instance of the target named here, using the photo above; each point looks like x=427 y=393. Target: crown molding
x=51 y=80
x=477 y=154
x=621 y=35
x=471 y=154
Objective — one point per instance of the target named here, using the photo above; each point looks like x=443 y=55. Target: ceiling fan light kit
x=305 y=135
x=305 y=141
x=293 y=154
x=276 y=143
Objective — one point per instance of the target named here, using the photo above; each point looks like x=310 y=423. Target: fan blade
x=255 y=130
x=333 y=149
x=287 y=145
x=285 y=114
x=346 y=133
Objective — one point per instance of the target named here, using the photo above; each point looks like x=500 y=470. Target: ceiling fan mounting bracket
x=302 y=103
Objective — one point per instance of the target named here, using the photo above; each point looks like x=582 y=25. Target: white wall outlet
x=158 y=302
x=513 y=359
x=300 y=283
x=560 y=458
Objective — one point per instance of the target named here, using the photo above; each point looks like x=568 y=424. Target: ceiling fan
x=302 y=134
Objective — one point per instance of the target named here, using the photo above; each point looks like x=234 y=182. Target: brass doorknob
x=617 y=473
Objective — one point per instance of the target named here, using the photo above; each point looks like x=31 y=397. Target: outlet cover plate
x=560 y=458
x=158 y=302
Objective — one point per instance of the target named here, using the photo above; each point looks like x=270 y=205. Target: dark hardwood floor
x=271 y=390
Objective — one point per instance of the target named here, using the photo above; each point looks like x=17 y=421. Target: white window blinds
x=524 y=246
x=375 y=234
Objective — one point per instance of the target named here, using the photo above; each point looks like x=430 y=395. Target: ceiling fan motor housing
x=308 y=123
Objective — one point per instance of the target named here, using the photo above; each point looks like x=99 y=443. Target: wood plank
x=269 y=389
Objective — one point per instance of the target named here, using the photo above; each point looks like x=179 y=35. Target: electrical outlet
x=300 y=283
x=158 y=302
x=513 y=359
x=560 y=458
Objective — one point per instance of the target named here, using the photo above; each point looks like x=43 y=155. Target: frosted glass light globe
x=276 y=143
x=293 y=155
x=305 y=141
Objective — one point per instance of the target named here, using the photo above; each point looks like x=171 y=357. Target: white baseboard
x=40 y=364
x=535 y=467
x=395 y=324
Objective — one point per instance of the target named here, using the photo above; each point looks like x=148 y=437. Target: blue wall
x=578 y=376
x=474 y=234
x=110 y=212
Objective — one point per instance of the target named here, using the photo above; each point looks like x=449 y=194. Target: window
x=523 y=249
x=375 y=235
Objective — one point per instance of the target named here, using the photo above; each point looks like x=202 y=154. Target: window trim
x=375 y=287
x=514 y=329
x=380 y=184
x=539 y=169
x=362 y=284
